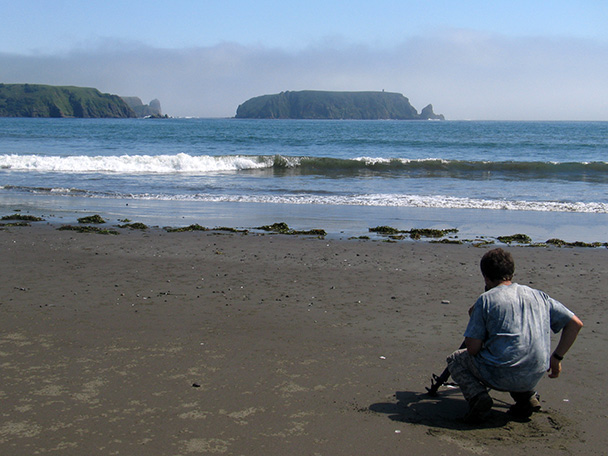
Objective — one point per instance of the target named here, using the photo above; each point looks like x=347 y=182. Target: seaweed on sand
x=519 y=238
x=91 y=219
x=8 y=225
x=230 y=230
x=279 y=227
x=415 y=233
x=24 y=218
x=87 y=229
x=385 y=230
x=447 y=241
x=193 y=227
x=134 y=226
x=283 y=228
x=561 y=243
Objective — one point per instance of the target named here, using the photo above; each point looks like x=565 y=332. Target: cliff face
x=34 y=100
x=310 y=104
x=150 y=110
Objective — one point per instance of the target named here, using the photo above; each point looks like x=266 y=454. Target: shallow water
x=548 y=179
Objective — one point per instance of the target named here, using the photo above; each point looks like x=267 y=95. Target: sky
x=471 y=59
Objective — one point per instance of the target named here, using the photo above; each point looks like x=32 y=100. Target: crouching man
x=508 y=341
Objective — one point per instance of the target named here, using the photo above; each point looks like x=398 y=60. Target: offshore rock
x=428 y=114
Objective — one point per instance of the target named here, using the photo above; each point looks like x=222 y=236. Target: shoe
x=479 y=407
x=525 y=408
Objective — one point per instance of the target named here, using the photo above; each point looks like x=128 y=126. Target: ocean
x=544 y=179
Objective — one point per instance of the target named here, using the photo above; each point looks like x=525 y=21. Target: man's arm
x=473 y=345
x=566 y=340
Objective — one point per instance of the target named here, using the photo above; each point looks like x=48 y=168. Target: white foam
x=388 y=200
x=180 y=163
x=370 y=161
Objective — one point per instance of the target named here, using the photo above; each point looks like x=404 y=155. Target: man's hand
x=556 y=367
x=566 y=340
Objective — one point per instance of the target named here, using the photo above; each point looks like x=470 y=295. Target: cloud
x=465 y=74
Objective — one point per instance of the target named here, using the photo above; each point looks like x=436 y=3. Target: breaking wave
x=207 y=164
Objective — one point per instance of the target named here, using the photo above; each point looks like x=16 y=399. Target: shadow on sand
x=443 y=411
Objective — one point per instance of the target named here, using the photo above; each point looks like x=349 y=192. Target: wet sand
x=163 y=343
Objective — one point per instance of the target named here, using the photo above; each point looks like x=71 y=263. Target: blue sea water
x=484 y=178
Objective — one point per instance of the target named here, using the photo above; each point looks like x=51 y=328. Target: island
x=38 y=100
x=315 y=104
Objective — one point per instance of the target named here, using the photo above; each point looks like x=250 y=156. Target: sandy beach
x=159 y=343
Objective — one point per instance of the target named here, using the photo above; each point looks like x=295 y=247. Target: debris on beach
x=480 y=242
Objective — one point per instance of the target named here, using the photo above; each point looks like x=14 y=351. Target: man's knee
x=457 y=356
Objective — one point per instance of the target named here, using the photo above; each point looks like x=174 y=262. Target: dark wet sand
x=163 y=343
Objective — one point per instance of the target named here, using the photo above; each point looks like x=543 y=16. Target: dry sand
x=159 y=343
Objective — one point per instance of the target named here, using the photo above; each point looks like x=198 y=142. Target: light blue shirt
x=515 y=323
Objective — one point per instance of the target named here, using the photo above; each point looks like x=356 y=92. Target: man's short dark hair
x=497 y=264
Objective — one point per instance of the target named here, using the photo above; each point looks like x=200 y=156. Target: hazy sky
x=528 y=60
